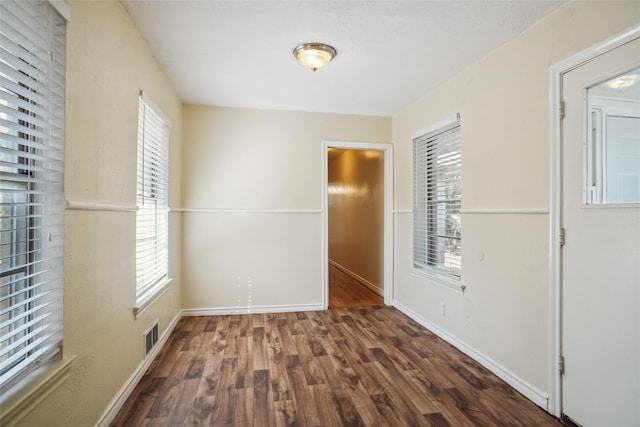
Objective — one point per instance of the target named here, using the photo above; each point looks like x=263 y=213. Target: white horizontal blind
x=32 y=91
x=152 y=227
x=436 y=201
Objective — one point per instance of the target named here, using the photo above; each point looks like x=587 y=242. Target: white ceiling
x=390 y=53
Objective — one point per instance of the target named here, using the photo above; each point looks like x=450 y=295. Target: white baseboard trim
x=529 y=391
x=134 y=379
x=360 y=279
x=250 y=310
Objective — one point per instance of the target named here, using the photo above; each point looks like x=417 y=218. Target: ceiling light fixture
x=314 y=55
x=624 y=82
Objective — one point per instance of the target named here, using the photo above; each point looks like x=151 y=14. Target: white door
x=601 y=256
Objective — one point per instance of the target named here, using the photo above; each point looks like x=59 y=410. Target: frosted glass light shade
x=314 y=55
x=624 y=81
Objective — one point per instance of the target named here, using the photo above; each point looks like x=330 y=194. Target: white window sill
x=21 y=398
x=437 y=279
x=149 y=297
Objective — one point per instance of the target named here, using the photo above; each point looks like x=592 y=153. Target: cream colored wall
x=356 y=213
x=252 y=195
x=108 y=63
x=503 y=100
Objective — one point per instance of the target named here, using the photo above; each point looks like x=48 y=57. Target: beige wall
x=356 y=213
x=252 y=195
x=108 y=63
x=250 y=233
x=503 y=100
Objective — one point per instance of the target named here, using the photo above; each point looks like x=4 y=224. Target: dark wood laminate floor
x=368 y=366
x=345 y=291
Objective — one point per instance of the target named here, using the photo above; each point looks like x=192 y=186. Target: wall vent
x=150 y=338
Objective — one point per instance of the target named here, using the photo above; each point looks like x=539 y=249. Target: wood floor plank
x=345 y=291
x=215 y=335
x=196 y=366
x=308 y=361
x=260 y=351
x=471 y=410
x=437 y=420
x=407 y=389
x=180 y=411
x=210 y=375
x=263 y=410
x=244 y=408
x=286 y=413
x=169 y=396
x=244 y=373
x=371 y=382
x=368 y=412
x=201 y=410
x=286 y=337
x=327 y=409
x=223 y=407
x=364 y=366
x=349 y=415
x=165 y=401
x=386 y=409
x=306 y=409
x=169 y=354
x=136 y=409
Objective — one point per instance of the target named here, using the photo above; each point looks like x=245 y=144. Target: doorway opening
x=357 y=224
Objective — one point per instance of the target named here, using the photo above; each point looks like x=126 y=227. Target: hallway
x=345 y=291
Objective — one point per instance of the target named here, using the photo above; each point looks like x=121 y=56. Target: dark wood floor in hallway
x=367 y=366
x=345 y=291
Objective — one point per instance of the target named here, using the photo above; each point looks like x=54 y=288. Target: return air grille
x=150 y=339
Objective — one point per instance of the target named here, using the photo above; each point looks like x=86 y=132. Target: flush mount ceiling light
x=314 y=55
x=624 y=82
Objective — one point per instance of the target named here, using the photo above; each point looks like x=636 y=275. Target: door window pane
x=613 y=149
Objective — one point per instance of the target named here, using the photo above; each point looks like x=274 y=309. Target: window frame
x=152 y=187
x=425 y=206
x=32 y=107
x=599 y=109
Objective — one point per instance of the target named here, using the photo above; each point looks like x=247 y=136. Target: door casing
x=556 y=72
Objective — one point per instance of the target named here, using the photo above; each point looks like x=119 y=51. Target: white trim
x=62 y=8
x=434 y=278
x=554 y=327
x=248 y=211
x=364 y=282
x=402 y=211
x=222 y=311
x=508 y=211
x=76 y=205
x=156 y=109
x=435 y=126
x=556 y=71
x=611 y=206
x=531 y=392
x=387 y=149
x=150 y=296
x=588 y=54
x=126 y=390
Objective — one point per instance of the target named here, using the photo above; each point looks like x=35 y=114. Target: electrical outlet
x=442 y=308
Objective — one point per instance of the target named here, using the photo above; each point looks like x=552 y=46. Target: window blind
x=437 y=200
x=32 y=98
x=152 y=227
